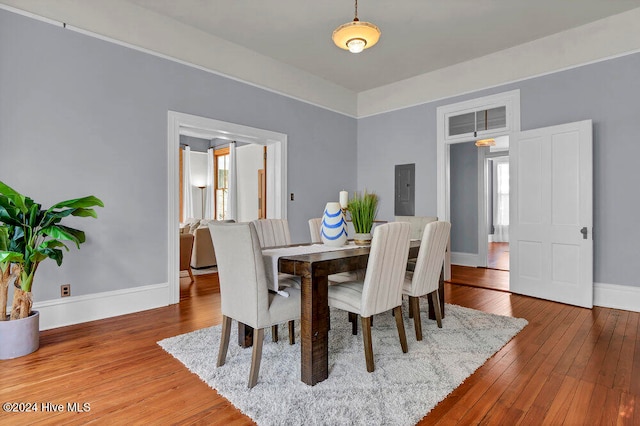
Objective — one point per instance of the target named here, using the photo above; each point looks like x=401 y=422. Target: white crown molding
x=132 y=26
x=617 y=35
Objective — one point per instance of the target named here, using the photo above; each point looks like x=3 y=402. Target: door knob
x=584 y=232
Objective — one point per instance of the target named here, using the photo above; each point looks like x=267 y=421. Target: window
x=475 y=123
x=501 y=200
x=221 y=162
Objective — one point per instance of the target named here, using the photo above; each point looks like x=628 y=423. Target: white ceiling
x=418 y=36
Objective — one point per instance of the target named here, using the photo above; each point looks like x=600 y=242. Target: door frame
x=443 y=144
x=180 y=123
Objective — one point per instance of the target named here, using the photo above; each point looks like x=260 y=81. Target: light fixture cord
x=356 y=18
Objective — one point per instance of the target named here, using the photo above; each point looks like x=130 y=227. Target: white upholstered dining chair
x=244 y=290
x=418 y=224
x=315 y=229
x=381 y=289
x=315 y=226
x=273 y=232
x=425 y=278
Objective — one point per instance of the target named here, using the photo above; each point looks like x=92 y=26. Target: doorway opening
x=275 y=181
x=496 y=205
x=458 y=124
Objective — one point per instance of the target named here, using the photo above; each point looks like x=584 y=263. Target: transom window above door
x=480 y=118
x=477 y=122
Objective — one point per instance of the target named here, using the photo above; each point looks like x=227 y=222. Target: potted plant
x=363 y=209
x=30 y=234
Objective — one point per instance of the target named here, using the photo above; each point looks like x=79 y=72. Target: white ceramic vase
x=333 y=231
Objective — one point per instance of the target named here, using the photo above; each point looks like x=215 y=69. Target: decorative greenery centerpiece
x=30 y=234
x=363 y=209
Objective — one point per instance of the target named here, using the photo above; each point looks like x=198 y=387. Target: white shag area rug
x=402 y=389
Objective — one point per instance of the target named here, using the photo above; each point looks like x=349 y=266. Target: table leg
x=245 y=335
x=314 y=330
x=432 y=312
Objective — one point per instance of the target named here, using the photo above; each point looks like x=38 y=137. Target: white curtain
x=501 y=201
x=187 y=193
x=232 y=209
x=208 y=210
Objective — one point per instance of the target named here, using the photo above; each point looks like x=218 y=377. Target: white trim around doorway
x=180 y=123
x=512 y=100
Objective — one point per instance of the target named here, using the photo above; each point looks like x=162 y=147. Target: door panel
x=552 y=182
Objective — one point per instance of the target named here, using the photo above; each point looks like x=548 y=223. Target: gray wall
x=81 y=116
x=399 y=137
x=607 y=92
x=463 y=160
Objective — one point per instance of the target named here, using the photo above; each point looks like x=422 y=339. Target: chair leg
x=435 y=298
x=410 y=308
x=368 y=346
x=292 y=335
x=190 y=273
x=353 y=319
x=414 y=305
x=256 y=356
x=224 y=340
x=274 y=333
x=400 y=325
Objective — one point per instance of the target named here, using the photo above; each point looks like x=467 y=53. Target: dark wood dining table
x=314 y=270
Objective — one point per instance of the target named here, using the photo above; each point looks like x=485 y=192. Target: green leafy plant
x=363 y=209
x=30 y=234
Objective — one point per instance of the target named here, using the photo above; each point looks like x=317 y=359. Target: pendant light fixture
x=356 y=36
x=486 y=142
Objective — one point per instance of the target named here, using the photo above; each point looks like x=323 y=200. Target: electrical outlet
x=292 y=196
x=65 y=290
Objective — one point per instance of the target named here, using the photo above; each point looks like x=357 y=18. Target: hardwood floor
x=498 y=256
x=568 y=366
x=495 y=277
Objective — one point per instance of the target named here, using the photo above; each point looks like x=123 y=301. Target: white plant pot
x=362 y=239
x=333 y=231
x=20 y=337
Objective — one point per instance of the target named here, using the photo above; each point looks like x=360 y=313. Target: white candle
x=344 y=199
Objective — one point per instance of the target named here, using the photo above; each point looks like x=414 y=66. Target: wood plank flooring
x=495 y=277
x=498 y=256
x=569 y=366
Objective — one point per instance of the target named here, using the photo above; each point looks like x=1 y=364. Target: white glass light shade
x=356 y=36
x=485 y=142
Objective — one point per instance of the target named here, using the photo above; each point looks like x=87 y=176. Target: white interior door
x=551 y=213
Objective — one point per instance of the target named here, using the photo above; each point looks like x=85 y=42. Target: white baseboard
x=78 y=309
x=616 y=296
x=464 y=259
